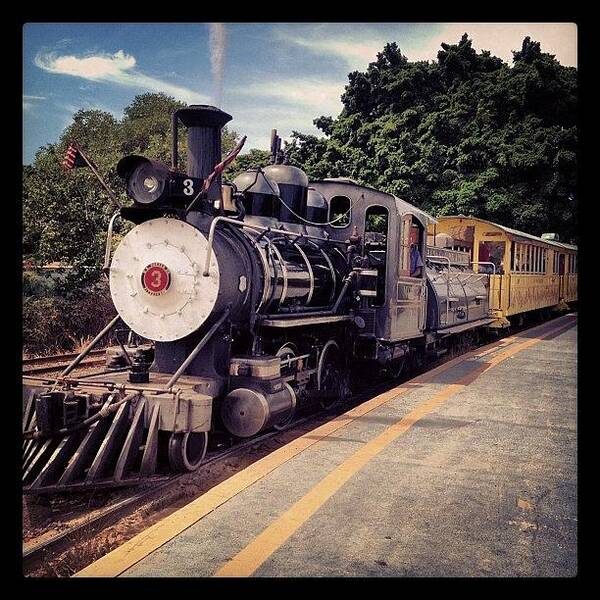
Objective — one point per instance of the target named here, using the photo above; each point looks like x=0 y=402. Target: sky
x=273 y=75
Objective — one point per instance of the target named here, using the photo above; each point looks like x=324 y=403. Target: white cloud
x=356 y=54
x=286 y=105
x=256 y=119
x=106 y=66
x=359 y=47
x=117 y=68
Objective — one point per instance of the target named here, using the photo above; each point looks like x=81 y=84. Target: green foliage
x=376 y=223
x=464 y=134
x=35 y=284
x=251 y=160
x=55 y=324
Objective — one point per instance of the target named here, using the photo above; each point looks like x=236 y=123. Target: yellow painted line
x=137 y=548
x=246 y=562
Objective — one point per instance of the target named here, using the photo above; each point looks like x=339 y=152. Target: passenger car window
x=491 y=252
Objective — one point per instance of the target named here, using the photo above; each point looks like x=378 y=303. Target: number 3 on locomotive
x=188 y=187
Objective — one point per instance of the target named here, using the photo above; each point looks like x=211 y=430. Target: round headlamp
x=147 y=180
x=151 y=184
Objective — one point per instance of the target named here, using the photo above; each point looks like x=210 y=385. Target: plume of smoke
x=217 y=41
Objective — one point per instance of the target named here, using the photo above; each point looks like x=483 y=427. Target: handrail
x=109 y=234
x=454 y=255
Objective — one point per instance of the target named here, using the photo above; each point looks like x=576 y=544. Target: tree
x=464 y=134
x=251 y=160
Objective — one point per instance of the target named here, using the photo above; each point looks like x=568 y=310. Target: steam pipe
x=216 y=221
x=109 y=234
x=323 y=313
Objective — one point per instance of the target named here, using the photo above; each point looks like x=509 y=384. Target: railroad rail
x=53 y=362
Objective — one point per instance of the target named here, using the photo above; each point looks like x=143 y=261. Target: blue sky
x=273 y=75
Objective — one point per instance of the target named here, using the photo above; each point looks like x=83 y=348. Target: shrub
x=54 y=324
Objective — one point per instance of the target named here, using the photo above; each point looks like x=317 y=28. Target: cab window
x=340 y=211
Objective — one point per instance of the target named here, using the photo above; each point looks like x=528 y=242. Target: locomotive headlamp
x=147 y=180
x=151 y=182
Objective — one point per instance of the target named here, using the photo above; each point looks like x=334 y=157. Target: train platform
x=467 y=470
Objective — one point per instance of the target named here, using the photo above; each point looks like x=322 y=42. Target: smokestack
x=204 y=124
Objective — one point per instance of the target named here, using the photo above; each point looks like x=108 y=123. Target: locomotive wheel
x=187 y=450
x=331 y=376
x=286 y=351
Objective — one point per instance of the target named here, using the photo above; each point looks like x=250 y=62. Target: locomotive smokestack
x=204 y=124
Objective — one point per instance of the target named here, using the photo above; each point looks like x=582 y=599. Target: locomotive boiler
x=255 y=298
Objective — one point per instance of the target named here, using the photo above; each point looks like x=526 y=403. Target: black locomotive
x=259 y=298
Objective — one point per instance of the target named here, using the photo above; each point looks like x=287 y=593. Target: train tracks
x=125 y=505
x=56 y=362
x=35 y=553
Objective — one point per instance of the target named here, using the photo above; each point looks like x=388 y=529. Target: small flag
x=223 y=164
x=73 y=158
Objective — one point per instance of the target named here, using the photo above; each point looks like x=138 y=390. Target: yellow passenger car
x=527 y=273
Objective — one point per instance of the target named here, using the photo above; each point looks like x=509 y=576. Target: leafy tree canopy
x=464 y=134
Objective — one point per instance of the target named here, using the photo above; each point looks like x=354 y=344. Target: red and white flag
x=223 y=164
x=73 y=158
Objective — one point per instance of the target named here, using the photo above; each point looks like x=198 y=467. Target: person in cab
x=416 y=261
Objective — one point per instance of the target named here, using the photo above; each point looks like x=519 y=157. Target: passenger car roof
x=513 y=232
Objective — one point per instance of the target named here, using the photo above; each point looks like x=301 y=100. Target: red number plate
x=156 y=279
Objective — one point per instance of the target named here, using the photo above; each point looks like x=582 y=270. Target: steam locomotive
x=259 y=298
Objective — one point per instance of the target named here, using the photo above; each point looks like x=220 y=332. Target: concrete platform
x=468 y=470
